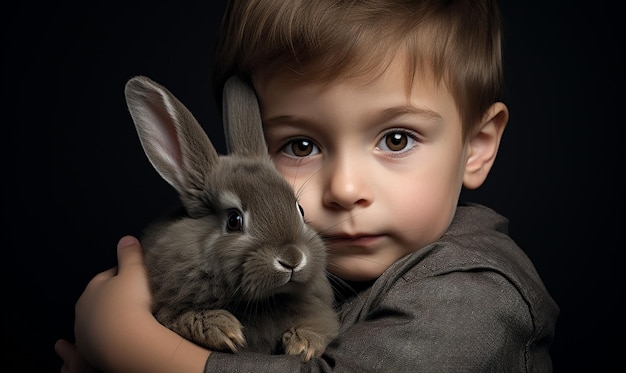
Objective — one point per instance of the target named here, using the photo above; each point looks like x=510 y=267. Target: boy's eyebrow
x=285 y=119
x=396 y=111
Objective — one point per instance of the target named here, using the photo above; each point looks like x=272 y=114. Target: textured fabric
x=470 y=302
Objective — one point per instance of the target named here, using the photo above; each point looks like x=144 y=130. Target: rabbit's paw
x=304 y=342
x=216 y=330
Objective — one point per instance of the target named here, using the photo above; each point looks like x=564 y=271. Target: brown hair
x=458 y=41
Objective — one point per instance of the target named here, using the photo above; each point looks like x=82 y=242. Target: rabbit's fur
x=238 y=268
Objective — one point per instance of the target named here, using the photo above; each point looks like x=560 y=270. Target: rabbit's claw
x=214 y=329
x=304 y=342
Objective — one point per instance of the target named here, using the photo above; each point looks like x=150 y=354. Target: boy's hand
x=111 y=304
x=114 y=327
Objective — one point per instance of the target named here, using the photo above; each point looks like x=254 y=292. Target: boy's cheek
x=311 y=212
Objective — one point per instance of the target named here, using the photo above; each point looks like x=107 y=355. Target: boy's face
x=378 y=170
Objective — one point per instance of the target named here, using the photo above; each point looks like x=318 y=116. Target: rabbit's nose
x=293 y=264
x=287 y=265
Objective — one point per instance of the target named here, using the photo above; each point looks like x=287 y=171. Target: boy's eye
x=300 y=148
x=397 y=141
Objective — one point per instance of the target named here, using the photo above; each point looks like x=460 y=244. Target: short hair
x=457 y=41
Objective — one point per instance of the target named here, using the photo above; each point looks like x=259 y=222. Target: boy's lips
x=353 y=239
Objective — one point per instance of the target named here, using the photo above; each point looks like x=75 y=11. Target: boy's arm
x=459 y=321
x=114 y=327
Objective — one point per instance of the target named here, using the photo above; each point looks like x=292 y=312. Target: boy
x=378 y=113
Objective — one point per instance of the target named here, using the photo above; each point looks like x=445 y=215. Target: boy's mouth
x=353 y=239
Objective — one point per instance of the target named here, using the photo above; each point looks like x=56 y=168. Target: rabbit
x=237 y=268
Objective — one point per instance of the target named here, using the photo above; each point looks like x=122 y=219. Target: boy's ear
x=483 y=144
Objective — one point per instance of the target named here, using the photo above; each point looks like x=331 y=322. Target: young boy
x=378 y=113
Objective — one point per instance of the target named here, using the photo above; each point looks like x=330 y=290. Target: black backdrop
x=75 y=178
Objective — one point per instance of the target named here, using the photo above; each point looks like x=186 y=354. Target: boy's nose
x=347 y=184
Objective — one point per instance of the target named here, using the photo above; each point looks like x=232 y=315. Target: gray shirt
x=470 y=302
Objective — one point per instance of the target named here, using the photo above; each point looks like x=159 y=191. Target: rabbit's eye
x=234 y=221
x=301 y=209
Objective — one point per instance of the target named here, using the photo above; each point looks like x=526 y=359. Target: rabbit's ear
x=173 y=140
x=242 y=119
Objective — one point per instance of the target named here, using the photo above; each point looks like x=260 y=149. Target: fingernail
x=126 y=241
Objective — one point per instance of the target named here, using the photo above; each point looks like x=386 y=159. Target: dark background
x=75 y=178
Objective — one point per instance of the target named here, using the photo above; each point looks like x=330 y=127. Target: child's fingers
x=129 y=252
x=131 y=267
x=72 y=361
x=101 y=277
x=105 y=275
x=65 y=350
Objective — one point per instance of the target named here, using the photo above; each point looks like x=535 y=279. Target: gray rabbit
x=237 y=268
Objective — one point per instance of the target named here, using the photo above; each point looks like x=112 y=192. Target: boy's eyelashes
x=300 y=147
